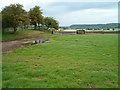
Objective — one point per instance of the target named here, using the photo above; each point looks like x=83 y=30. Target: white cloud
x=8 y=2
x=70 y=17
x=26 y=2
x=89 y=16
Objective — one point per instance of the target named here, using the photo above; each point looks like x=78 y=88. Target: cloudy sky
x=69 y=12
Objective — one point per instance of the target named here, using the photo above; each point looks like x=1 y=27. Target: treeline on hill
x=14 y=16
x=96 y=26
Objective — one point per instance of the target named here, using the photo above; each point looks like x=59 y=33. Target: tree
x=0 y=23
x=113 y=29
x=11 y=16
x=35 y=15
x=25 y=20
x=51 y=22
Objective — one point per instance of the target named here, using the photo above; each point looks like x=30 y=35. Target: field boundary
x=86 y=32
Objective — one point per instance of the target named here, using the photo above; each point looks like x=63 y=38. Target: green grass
x=74 y=61
x=23 y=34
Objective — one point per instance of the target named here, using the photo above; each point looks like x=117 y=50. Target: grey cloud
x=62 y=11
x=61 y=8
x=84 y=5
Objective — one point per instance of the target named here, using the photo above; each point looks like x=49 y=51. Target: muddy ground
x=7 y=46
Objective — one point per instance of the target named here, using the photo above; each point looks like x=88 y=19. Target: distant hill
x=95 y=26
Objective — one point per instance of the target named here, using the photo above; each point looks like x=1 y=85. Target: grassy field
x=23 y=34
x=74 y=61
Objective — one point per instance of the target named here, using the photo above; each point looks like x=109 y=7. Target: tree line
x=14 y=16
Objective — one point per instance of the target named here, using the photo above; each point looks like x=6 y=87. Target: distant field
x=74 y=31
x=74 y=61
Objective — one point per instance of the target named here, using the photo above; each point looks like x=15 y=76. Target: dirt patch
x=7 y=46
